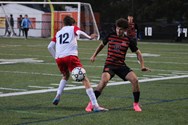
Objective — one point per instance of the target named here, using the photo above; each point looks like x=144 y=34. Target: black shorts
x=120 y=71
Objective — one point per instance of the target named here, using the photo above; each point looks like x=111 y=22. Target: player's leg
x=22 y=32
x=103 y=82
x=93 y=105
x=6 y=31
x=65 y=72
x=108 y=73
x=60 y=89
x=131 y=76
x=26 y=32
x=75 y=62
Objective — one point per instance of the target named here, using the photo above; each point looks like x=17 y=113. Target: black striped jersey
x=117 y=49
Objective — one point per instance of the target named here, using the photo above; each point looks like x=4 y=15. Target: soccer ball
x=78 y=74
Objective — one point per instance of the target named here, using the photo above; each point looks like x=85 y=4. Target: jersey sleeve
x=133 y=45
x=54 y=39
x=76 y=29
x=105 y=40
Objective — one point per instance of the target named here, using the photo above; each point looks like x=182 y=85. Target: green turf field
x=29 y=78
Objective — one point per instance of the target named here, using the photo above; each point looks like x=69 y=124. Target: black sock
x=97 y=93
x=136 y=96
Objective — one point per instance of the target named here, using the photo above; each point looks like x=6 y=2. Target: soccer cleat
x=136 y=107
x=56 y=100
x=89 y=107
x=99 y=109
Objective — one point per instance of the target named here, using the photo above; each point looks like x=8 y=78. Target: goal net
x=47 y=17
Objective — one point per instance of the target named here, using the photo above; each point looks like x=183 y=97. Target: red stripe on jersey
x=76 y=29
x=117 y=55
x=118 y=39
x=117 y=49
x=131 y=30
x=54 y=38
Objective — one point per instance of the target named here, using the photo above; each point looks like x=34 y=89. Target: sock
x=97 y=93
x=136 y=96
x=92 y=97
x=61 y=87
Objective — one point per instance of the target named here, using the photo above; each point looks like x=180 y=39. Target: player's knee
x=134 y=81
x=104 y=81
x=66 y=76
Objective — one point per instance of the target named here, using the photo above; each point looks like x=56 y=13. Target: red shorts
x=68 y=63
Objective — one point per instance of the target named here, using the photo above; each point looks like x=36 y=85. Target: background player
x=118 y=44
x=63 y=48
x=131 y=31
x=26 y=23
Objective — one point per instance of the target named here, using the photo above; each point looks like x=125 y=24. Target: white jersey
x=66 y=42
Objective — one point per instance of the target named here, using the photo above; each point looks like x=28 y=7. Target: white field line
x=70 y=85
x=1 y=88
x=153 y=62
x=81 y=87
x=154 y=76
x=48 y=74
x=67 y=85
x=41 y=87
x=33 y=73
x=161 y=43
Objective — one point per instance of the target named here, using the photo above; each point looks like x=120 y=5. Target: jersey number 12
x=63 y=38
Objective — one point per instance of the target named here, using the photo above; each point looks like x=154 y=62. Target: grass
x=164 y=102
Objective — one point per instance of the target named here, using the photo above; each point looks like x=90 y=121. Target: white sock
x=92 y=97
x=61 y=87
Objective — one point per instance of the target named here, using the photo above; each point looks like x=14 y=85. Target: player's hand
x=92 y=59
x=93 y=36
x=145 y=69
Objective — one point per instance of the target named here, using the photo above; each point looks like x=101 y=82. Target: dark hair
x=122 y=23
x=130 y=14
x=68 y=21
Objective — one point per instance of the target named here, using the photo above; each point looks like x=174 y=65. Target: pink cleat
x=136 y=107
x=89 y=107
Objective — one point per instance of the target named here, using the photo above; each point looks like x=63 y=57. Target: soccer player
x=118 y=44
x=25 y=25
x=64 y=49
x=7 y=26
x=19 y=25
x=12 y=24
x=131 y=31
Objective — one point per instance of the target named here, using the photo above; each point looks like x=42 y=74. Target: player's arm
x=30 y=24
x=51 y=48
x=92 y=36
x=80 y=32
x=99 y=48
x=141 y=60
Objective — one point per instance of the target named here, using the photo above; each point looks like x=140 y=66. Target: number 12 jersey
x=66 y=42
